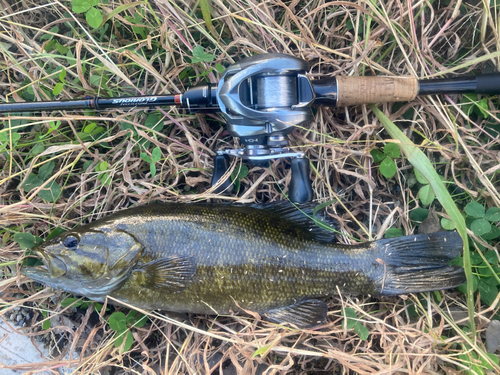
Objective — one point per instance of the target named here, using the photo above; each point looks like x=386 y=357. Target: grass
x=62 y=169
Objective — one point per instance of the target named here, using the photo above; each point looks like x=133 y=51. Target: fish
x=219 y=259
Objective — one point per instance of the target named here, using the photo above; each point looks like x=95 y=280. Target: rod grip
x=488 y=84
x=366 y=90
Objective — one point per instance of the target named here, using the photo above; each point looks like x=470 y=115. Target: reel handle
x=300 y=190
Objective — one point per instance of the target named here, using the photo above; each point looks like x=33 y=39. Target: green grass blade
x=421 y=163
x=207 y=17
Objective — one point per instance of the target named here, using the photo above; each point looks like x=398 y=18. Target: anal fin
x=172 y=273
x=303 y=314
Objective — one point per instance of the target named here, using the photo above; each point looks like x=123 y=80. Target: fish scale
x=219 y=258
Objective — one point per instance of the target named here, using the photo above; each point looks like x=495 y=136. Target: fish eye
x=70 y=241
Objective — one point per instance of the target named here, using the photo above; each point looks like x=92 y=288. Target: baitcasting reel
x=263 y=98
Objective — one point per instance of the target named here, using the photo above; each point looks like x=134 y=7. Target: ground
x=63 y=168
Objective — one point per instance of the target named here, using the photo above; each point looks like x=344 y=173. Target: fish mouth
x=52 y=267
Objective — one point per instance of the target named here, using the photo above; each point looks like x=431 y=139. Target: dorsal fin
x=320 y=225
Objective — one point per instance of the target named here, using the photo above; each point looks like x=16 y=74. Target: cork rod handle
x=366 y=90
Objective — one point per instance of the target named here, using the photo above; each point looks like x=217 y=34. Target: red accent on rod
x=177 y=99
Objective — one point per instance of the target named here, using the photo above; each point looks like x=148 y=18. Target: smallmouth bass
x=220 y=258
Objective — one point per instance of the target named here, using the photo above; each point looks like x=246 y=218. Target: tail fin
x=419 y=263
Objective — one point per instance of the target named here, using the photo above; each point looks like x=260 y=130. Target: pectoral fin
x=171 y=273
x=303 y=314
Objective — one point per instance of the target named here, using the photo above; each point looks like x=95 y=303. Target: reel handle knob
x=300 y=190
x=221 y=165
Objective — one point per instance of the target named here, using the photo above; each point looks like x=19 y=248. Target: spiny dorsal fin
x=322 y=228
x=303 y=314
x=172 y=273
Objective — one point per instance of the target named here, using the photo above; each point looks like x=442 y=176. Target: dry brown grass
x=337 y=38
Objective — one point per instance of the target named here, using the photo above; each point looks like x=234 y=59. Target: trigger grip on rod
x=221 y=166
x=300 y=190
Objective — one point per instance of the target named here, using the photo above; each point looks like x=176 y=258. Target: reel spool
x=262 y=99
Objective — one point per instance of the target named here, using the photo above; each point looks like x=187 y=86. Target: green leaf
x=50 y=45
x=94 y=17
x=488 y=293
x=58 y=88
x=38 y=149
x=129 y=340
x=80 y=6
x=388 y=167
x=420 y=178
x=54 y=125
x=117 y=321
x=320 y=206
x=152 y=169
x=242 y=171
x=87 y=165
x=476 y=258
x=199 y=55
x=491 y=235
x=480 y=227
x=119 y=338
x=46 y=170
x=419 y=214
x=98 y=307
x=393 y=232
x=493 y=357
x=89 y=128
x=102 y=166
x=236 y=182
x=135 y=319
x=5 y=138
x=54 y=233
x=392 y=150
x=491 y=257
x=493 y=214
x=156 y=154
x=71 y=301
x=482 y=108
x=105 y=179
x=463 y=287
x=152 y=121
x=146 y=157
x=95 y=80
x=46 y=323
x=95 y=2
x=50 y=192
x=350 y=317
x=27 y=240
x=32 y=182
x=447 y=224
x=54 y=30
x=377 y=155
x=220 y=68
x=62 y=75
x=475 y=209
x=61 y=49
x=361 y=331
x=260 y=351
x=426 y=195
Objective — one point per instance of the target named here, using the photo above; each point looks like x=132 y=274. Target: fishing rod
x=263 y=97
